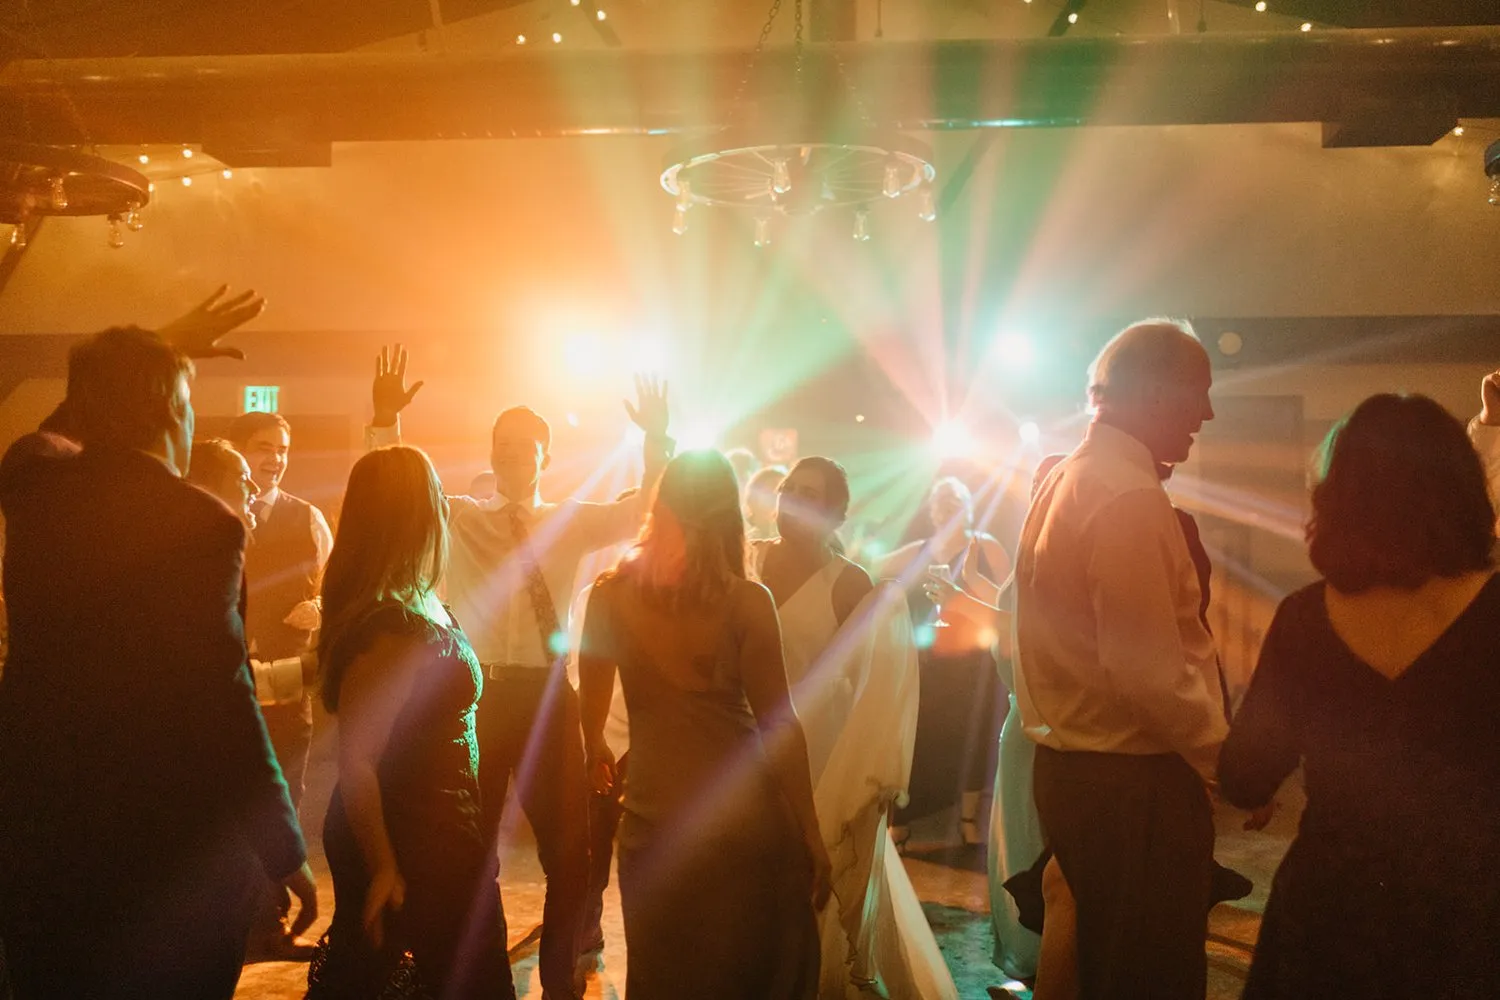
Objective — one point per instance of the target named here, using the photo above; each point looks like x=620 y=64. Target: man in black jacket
x=139 y=798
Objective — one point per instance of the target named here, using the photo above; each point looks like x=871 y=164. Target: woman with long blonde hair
x=722 y=867
x=415 y=898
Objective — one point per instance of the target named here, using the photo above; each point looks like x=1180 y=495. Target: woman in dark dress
x=416 y=907
x=722 y=865
x=1383 y=681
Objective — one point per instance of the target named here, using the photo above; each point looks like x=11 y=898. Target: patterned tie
x=547 y=626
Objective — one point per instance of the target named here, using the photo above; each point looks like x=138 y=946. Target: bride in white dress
x=852 y=667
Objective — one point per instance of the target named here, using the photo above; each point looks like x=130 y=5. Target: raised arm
x=605 y=524
x=1484 y=430
x=1131 y=584
x=375 y=686
x=389 y=395
x=763 y=669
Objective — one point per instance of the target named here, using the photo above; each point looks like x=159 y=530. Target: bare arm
x=596 y=684
x=375 y=686
x=763 y=670
x=849 y=589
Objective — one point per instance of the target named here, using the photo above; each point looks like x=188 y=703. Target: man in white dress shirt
x=510 y=581
x=1116 y=677
x=1484 y=430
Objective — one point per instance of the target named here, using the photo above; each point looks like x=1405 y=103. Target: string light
x=1260 y=6
x=1458 y=130
x=600 y=15
x=859 y=418
x=187 y=153
x=228 y=173
x=520 y=39
x=150 y=187
x=143 y=158
x=1073 y=17
x=187 y=182
x=575 y=3
x=557 y=38
x=1306 y=25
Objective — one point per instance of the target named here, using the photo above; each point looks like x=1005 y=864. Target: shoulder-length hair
x=1401 y=498
x=392 y=544
x=692 y=548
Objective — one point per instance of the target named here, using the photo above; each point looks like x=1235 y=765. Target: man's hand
x=650 y=410
x=305 y=888
x=197 y=333
x=389 y=391
x=1489 y=398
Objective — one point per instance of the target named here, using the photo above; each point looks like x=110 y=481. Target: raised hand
x=1489 y=396
x=197 y=332
x=389 y=391
x=650 y=410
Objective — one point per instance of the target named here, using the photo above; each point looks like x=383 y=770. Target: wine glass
x=943 y=572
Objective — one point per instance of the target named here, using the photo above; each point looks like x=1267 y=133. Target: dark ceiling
x=64 y=29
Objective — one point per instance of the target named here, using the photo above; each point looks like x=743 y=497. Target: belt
x=517 y=671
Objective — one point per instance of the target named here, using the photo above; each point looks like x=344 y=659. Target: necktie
x=536 y=585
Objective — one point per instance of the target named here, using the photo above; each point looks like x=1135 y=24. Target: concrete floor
x=949 y=880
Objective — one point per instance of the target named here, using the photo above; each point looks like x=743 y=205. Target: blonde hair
x=692 y=548
x=392 y=544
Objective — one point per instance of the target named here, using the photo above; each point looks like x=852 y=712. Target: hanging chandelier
x=37 y=181
x=771 y=171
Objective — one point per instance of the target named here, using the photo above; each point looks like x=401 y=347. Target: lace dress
x=448 y=939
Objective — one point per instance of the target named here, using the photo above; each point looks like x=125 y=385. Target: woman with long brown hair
x=416 y=907
x=722 y=866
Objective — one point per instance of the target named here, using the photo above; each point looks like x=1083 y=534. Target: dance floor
x=949 y=880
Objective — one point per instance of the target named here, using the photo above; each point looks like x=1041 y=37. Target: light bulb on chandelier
x=781 y=176
x=116 y=236
x=762 y=231
x=1495 y=190
x=926 y=205
x=679 y=221
x=18 y=236
x=57 y=194
x=684 y=195
x=862 y=226
x=133 y=220
x=892 y=186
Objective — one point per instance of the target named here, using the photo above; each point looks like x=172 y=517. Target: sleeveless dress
x=448 y=940
x=855 y=690
x=714 y=880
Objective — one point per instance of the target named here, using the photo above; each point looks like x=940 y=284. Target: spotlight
x=572 y=420
x=696 y=436
x=583 y=354
x=951 y=439
x=1030 y=432
x=1014 y=350
x=649 y=356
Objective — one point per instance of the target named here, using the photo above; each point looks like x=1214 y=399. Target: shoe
x=1228 y=885
x=277 y=947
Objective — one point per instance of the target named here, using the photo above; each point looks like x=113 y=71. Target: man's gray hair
x=1139 y=356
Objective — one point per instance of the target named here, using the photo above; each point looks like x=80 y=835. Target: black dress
x=1391 y=887
x=448 y=939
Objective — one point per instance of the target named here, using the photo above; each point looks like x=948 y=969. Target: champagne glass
x=943 y=572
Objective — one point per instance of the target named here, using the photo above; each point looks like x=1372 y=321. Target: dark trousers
x=1134 y=837
x=604 y=821
x=958 y=733
x=528 y=727
x=290 y=729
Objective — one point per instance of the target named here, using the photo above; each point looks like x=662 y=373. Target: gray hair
x=1140 y=356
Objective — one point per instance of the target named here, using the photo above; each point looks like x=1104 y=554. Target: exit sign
x=262 y=398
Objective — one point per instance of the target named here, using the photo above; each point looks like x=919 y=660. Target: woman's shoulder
x=389 y=620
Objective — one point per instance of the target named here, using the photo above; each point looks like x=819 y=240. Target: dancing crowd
x=742 y=717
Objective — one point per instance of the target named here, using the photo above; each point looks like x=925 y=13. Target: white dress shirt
x=1486 y=441
x=1110 y=653
x=486 y=581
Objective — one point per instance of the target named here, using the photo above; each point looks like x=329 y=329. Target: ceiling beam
x=1158 y=80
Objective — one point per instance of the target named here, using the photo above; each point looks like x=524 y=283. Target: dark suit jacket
x=132 y=752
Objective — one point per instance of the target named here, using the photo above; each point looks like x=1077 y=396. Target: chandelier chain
x=797 y=40
x=755 y=53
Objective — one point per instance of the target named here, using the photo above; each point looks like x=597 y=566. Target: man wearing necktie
x=511 y=577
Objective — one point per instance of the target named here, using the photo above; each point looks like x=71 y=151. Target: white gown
x=1015 y=840
x=855 y=690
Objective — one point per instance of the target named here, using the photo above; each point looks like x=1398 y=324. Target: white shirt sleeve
x=278 y=682
x=1486 y=439
x=383 y=437
x=1132 y=578
x=322 y=537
